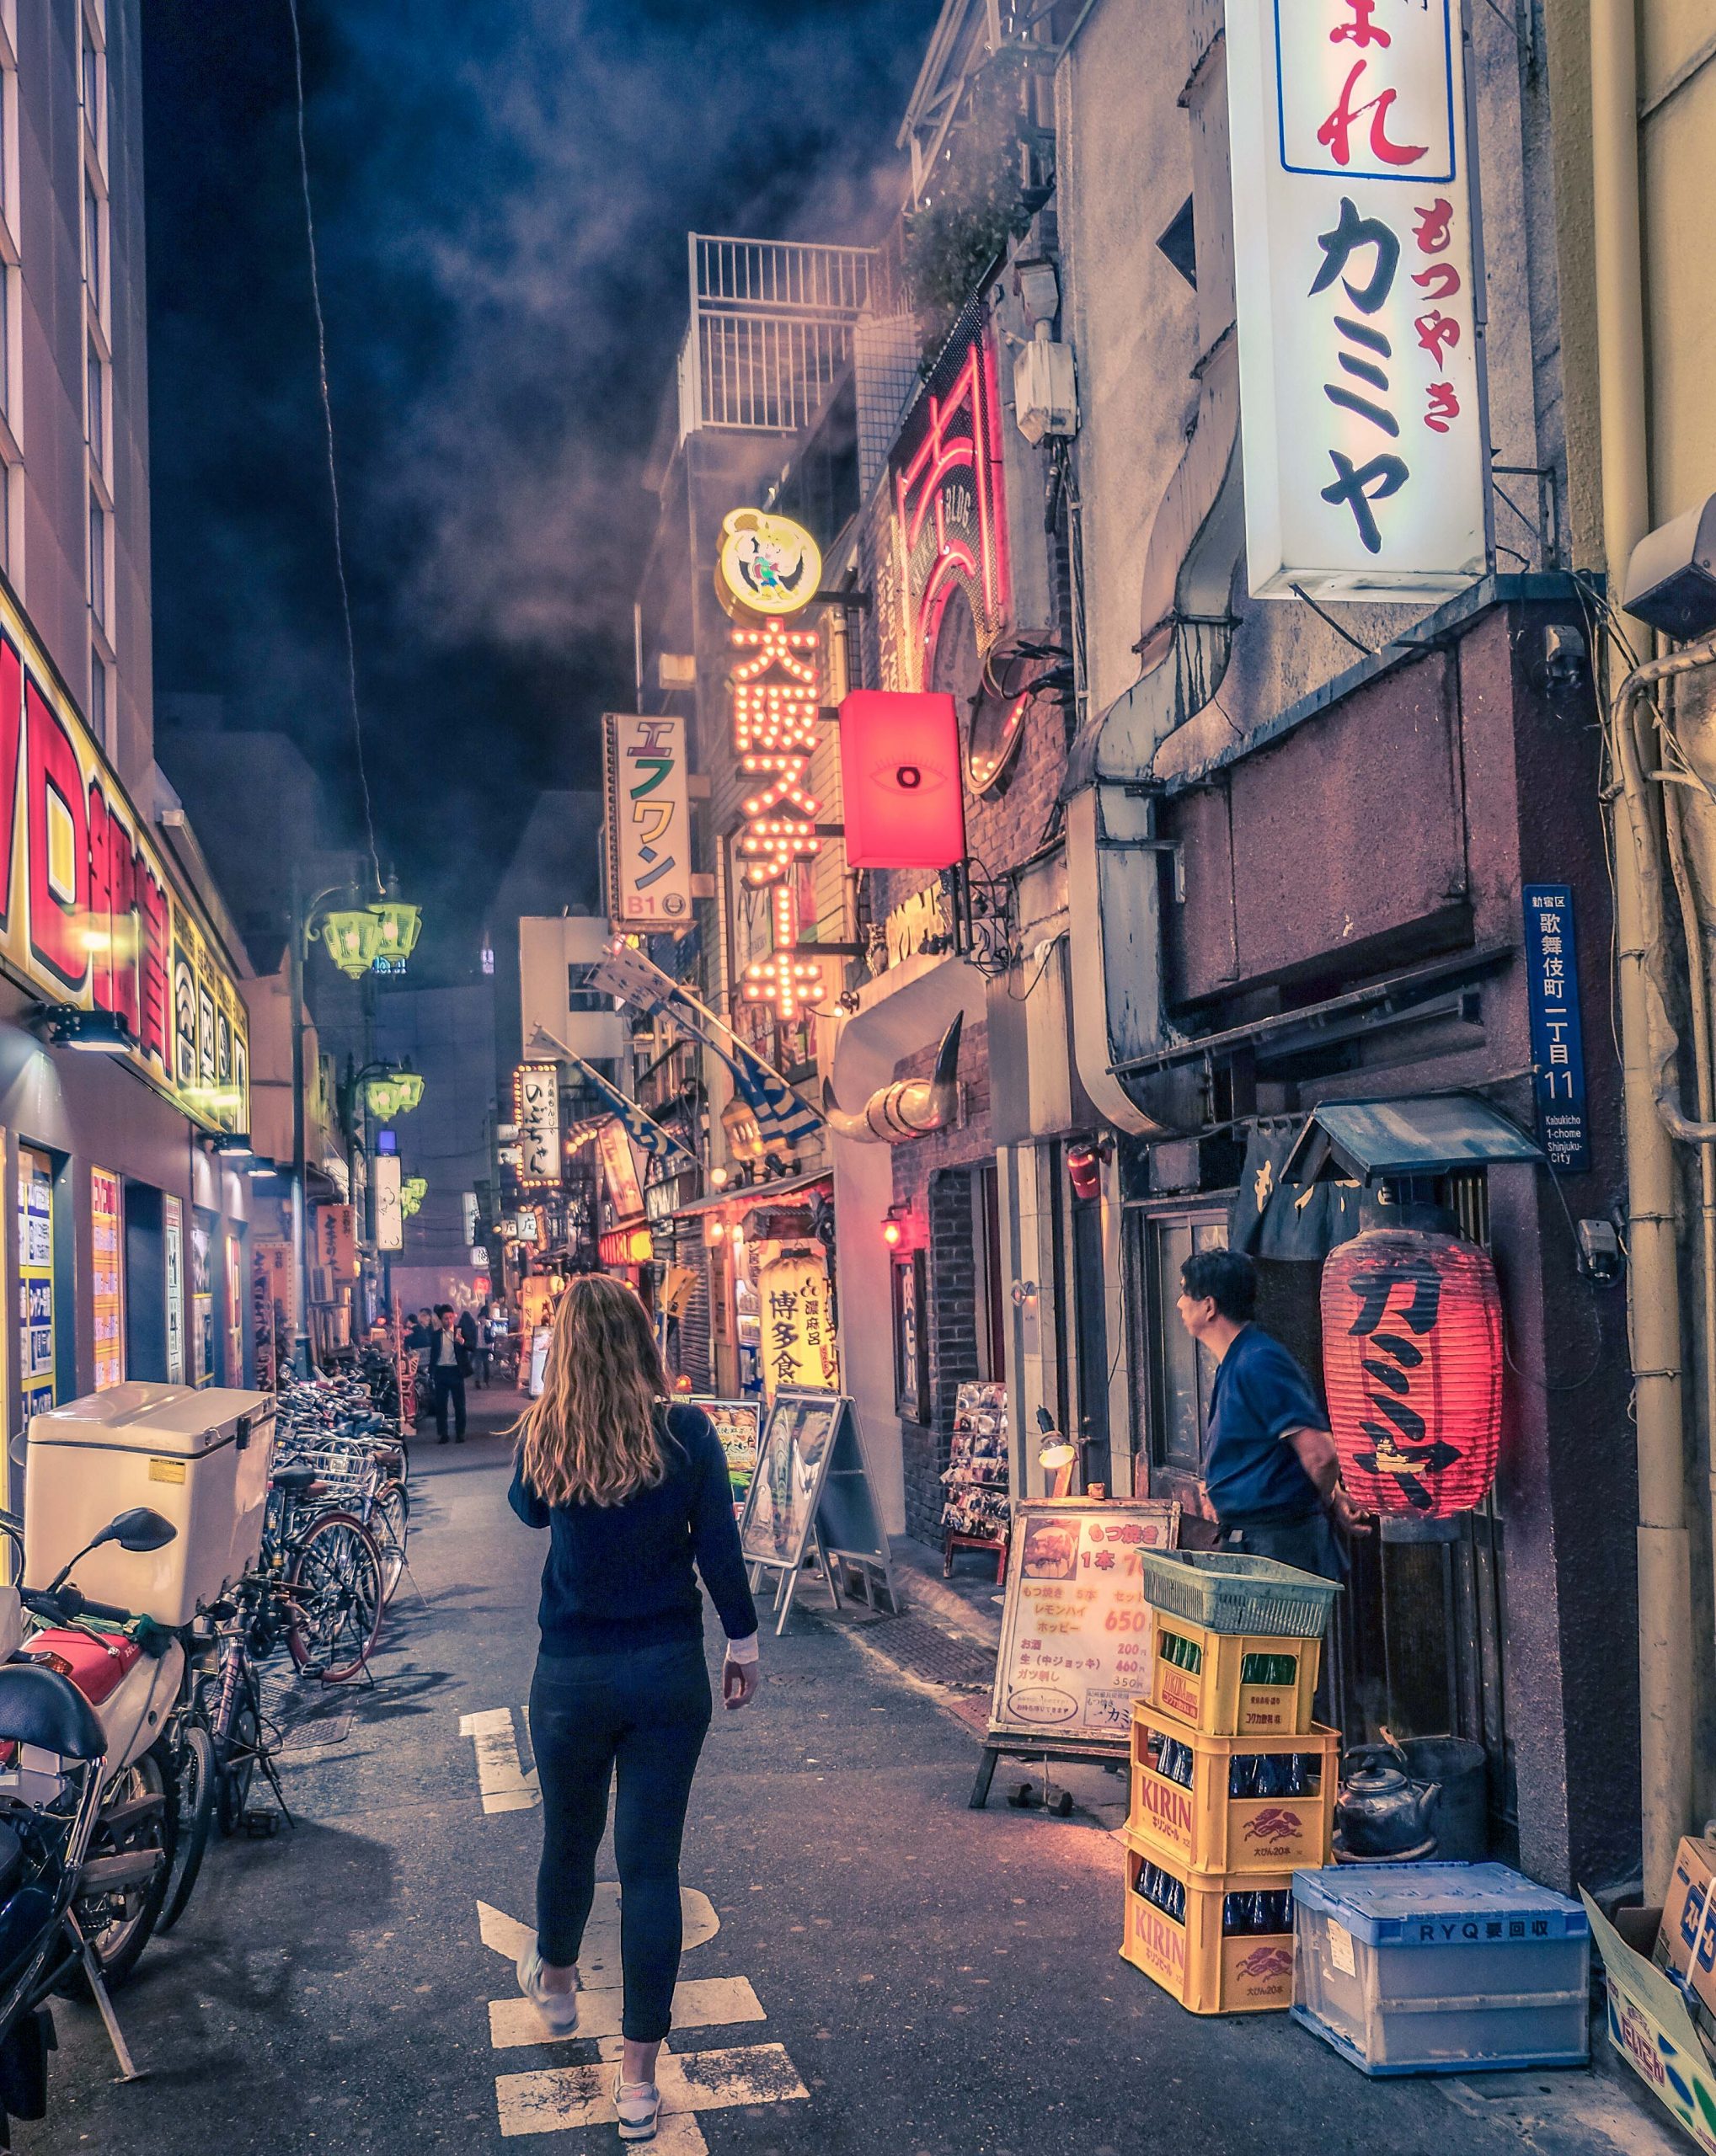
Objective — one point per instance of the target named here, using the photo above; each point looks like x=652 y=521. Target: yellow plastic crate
x=1204 y=1827
x=1211 y=1696
x=1207 y=1969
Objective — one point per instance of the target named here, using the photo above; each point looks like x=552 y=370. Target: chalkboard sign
x=735 y=1422
x=792 y=1458
x=1075 y=1627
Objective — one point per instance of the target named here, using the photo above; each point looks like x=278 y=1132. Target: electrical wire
x=369 y=820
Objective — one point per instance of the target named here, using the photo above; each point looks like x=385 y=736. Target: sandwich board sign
x=810 y=1494
x=1075 y=1629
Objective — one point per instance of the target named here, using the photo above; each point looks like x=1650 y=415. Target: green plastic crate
x=1235 y=1593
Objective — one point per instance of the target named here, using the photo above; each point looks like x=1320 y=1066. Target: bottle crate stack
x=1232 y=1784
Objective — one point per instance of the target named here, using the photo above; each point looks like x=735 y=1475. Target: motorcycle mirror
x=18 y=1450
x=138 y=1530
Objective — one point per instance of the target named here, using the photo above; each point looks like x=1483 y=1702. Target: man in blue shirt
x=1269 y=1464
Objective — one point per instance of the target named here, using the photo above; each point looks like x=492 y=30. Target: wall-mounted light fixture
x=95 y=1032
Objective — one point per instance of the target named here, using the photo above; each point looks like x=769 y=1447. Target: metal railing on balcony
x=771 y=329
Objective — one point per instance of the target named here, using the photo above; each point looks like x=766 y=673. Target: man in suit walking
x=448 y=1362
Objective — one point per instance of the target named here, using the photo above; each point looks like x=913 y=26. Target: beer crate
x=1202 y=1950
x=1281 y=1819
x=1233 y=1683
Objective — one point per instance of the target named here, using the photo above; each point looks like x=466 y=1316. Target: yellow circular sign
x=767 y=565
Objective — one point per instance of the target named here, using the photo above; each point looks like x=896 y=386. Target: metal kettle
x=1382 y=1812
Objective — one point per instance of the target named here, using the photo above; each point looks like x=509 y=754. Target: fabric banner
x=1271 y=1218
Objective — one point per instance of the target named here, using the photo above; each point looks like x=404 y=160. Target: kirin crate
x=1204 y=1825
x=1256 y=1684
x=1197 y=1957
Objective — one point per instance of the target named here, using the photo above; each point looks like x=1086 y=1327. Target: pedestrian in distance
x=634 y=1490
x=448 y=1362
x=420 y=1338
x=483 y=1352
x=470 y=1337
x=1271 y=1468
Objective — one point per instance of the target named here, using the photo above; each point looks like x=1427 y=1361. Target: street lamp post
x=353 y=945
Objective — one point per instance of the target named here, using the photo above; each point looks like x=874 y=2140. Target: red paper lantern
x=1411 y=1365
x=900 y=772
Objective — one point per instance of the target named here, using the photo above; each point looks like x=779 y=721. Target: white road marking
x=598 y=1964
x=505 y=1784
x=699 y=2002
x=557 y=2097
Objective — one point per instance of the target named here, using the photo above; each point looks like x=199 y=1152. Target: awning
x=754 y=1193
x=1429 y=1134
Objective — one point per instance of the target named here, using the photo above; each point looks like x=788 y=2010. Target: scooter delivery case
x=200 y=1458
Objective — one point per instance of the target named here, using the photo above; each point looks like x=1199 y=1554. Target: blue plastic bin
x=1440 y=1968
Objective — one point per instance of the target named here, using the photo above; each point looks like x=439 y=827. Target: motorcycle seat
x=38 y=1706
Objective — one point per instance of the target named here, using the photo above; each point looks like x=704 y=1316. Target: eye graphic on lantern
x=899 y=764
x=1412 y=1357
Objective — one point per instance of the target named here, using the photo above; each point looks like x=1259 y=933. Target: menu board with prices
x=35 y=1280
x=1075 y=1628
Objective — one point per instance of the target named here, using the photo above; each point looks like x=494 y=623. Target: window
x=92 y=247
x=1181 y=1372
x=97 y=698
x=92 y=89
x=96 y=434
x=98 y=562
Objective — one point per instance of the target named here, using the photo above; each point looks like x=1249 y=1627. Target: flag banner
x=640 y=1126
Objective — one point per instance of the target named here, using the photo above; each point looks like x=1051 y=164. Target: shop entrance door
x=1090 y=1315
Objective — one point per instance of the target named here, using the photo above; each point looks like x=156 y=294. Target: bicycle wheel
x=390 y=1524
x=333 y=1597
x=238 y=1751
x=194 y=1778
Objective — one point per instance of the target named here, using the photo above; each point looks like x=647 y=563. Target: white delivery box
x=199 y=1458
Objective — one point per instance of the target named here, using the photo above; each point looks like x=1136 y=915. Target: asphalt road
x=893 y=1974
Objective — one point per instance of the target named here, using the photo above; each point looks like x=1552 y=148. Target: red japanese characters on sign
x=1358 y=339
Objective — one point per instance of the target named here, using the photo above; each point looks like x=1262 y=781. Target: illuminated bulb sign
x=769 y=570
x=1360 y=372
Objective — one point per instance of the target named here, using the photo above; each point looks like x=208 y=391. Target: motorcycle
x=54 y=1781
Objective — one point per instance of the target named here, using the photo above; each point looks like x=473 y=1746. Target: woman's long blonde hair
x=591 y=1438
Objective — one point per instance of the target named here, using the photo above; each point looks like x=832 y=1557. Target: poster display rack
x=1075 y=1631
x=810 y=1499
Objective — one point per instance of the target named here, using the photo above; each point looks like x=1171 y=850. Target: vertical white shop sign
x=390 y=1217
x=536 y=1099
x=649 y=821
x=173 y=1241
x=1360 y=371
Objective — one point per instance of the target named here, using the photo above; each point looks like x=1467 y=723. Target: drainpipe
x=1665 y=1561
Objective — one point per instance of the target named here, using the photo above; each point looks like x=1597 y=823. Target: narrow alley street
x=872 y=1968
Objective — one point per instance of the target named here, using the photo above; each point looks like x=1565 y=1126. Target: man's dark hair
x=1228 y=1277
x=443 y=1310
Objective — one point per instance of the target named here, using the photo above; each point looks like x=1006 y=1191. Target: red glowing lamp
x=893 y=1228
x=1411 y=1365
x=900 y=773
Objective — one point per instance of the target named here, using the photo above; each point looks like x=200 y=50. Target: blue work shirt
x=1260 y=1394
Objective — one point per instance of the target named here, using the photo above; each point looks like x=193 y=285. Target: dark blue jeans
x=641 y=1715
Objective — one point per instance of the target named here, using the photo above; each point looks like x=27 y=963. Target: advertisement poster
x=173 y=1241
x=106 y=1231
x=35 y=1280
x=390 y=1215
x=791 y=1460
x=1075 y=1627
x=735 y=1422
x=202 y=1299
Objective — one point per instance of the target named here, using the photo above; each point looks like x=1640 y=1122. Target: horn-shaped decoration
x=911 y=1106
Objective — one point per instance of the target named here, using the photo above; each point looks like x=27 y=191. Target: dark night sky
x=502 y=192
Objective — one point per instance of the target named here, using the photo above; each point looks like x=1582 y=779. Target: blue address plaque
x=1557 y=1038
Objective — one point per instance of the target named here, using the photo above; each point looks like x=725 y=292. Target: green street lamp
x=399 y=927
x=393 y=1093
x=353 y=937
x=412 y=1192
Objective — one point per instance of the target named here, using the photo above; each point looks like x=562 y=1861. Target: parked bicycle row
x=132 y=1726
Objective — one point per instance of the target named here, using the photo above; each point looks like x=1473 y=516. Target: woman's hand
x=738 y=1681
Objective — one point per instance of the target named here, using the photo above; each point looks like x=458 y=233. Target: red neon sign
x=899 y=775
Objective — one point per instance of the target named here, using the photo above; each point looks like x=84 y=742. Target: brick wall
x=950 y=1343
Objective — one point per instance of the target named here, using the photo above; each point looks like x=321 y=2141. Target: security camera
x=1671 y=577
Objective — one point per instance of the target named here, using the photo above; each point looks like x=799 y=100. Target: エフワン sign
x=649 y=821
x=1361 y=407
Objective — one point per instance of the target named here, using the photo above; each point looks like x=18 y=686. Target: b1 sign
x=1361 y=404
x=649 y=822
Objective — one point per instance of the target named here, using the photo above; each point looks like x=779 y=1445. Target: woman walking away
x=632 y=1491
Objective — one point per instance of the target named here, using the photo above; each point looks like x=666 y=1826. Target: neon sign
x=775 y=683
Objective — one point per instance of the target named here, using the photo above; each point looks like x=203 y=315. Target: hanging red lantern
x=1412 y=1366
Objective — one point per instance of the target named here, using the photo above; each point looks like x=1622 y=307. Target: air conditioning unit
x=1045 y=388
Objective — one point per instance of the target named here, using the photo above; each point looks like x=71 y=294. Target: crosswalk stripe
x=556 y=2099
x=500 y=1776
x=698 y=2003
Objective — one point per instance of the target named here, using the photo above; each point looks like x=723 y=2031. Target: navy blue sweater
x=620 y=1576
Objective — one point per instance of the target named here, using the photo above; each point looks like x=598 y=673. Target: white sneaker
x=559 y=2008
x=639 y=2104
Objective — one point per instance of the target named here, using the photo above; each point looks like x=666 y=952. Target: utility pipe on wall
x=1665 y=1562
